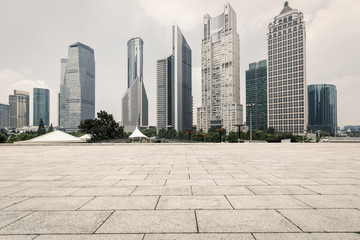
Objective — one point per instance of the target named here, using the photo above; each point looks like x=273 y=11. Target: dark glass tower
x=41 y=106
x=322 y=108
x=256 y=92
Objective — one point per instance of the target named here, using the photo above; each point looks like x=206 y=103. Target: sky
x=35 y=35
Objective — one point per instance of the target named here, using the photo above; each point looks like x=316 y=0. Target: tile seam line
x=289 y=220
x=103 y=222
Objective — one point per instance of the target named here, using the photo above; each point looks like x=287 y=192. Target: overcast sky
x=35 y=35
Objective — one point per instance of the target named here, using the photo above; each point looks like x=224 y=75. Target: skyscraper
x=286 y=62
x=77 y=86
x=20 y=109
x=256 y=92
x=174 y=86
x=135 y=101
x=322 y=108
x=220 y=73
x=4 y=115
x=41 y=106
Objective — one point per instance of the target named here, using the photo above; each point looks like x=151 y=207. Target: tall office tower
x=77 y=86
x=165 y=114
x=41 y=106
x=59 y=109
x=322 y=108
x=287 y=72
x=4 y=115
x=256 y=95
x=174 y=86
x=20 y=108
x=220 y=73
x=135 y=101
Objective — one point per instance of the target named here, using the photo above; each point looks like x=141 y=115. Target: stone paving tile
x=162 y=190
x=307 y=236
x=104 y=191
x=92 y=237
x=92 y=183
x=198 y=236
x=57 y=222
x=280 y=190
x=330 y=201
x=243 y=221
x=17 y=237
x=122 y=203
x=334 y=189
x=336 y=181
x=43 y=192
x=210 y=176
x=160 y=221
x=8 y=201
x=128 y=182
x=9 y=217
x=265 y=202
x=124 y=176
x=7 y=191
x=247 y=175
x=244 y=181
x=193 y=202
x=325 y=220
x=221 y=190
x=190 y=182
x=50 y=203
x=172 y=176
x=274 y=181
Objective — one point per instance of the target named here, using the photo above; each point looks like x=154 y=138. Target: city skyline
x=27 y=72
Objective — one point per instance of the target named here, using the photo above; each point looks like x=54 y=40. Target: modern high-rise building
x=20 y=109
x=135 y=101
x=220 y=73
x=286 y=63
x=174 y=86
x=322 y=108
x=4 y=115
x=165 y=93
x=41 y=106
x=256 y=95
x=59 y=109
x=77 y=86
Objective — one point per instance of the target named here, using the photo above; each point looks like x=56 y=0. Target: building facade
x=135 y=101
x=322 y=108
x=286 y=65
x=174 y=86
x=20 y=109
x=256 y=93
x=41 y=106
x=77 y=87
x=4 y=115
x=220 y=73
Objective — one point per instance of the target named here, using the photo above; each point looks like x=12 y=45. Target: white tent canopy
x=85 y=137
x=55 y=136
x=137 y=134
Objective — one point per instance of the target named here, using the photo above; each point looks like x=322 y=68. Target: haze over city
x=36 y=35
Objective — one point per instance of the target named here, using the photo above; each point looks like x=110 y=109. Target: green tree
x=3 y=138
x=104 y=127
x=162 y=133
x=149 y=132
x=51 y=128
x=232 y=137
x=41 y=129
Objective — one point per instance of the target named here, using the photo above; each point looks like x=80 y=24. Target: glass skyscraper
x=4 y=115
x=256 y=92
x=322 y=108
x=41 y=106
x=20 y=109
x=135 y=101
x=286 y=62
x=220 y=73
x=77 y=86
x=174 y=86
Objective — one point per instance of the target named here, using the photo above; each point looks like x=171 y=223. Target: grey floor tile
x=330 y=201
x=334 y=189
x=307 y=236
x=190 y=182
x=9 y=217
x=193 y=202
x=290 y=181
x=17 y=237
x=57 y=222
x=280 y=190
x=131 y=182
x=221 y=190
x=50 y=203
x=104 y=191
x=122 y=203
x=46 y=192
x=198 y=236
x=325 y=220
x=92 y=237
x=243 y=221
x=239 y=182
x=159 y=221
x=162 y=190
x=265 y=202
x=8 y=201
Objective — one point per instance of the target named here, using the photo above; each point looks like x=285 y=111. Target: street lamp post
x=250 y=105
x=220 y=131
x=239 y=132
x=190 y=132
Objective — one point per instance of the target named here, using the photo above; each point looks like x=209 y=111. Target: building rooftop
x=180 y=191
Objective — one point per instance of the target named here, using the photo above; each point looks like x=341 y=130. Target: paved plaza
x=180 y=192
